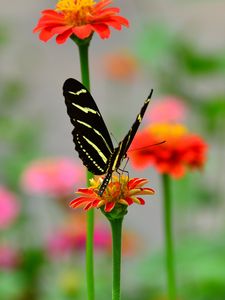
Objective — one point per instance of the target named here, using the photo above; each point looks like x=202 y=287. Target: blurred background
x=175 y=47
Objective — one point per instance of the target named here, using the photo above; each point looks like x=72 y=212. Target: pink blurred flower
x=59 y=244
x=72 y=237
x=53 y=176
x=166 y=110
x=102 y=239
x=9 y=257
x=9 y=208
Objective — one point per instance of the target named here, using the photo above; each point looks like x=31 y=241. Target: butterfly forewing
x=120 y=152
x=90 y=135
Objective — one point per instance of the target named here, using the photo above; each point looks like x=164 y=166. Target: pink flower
x=53 y=176
x=60 y=243
x=72 y=237
x=9 y=208
x=102 y=239
x=9 y=257
x=166 y=110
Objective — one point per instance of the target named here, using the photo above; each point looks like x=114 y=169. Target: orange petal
x=102 y=30
x=82 y=32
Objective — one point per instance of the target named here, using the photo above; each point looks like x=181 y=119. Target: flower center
x=76 y=12
x=168 y=130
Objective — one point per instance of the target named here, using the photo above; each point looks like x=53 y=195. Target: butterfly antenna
x=141 y=148
x=150 y=94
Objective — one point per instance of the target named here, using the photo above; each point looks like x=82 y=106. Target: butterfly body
x=90 y=134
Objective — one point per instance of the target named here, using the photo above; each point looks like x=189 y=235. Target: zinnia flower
x=52 y=176
x=80 y=18
x=121 y=191
x=9 y=207
x=180 y=150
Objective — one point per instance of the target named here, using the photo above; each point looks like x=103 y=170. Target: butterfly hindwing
x=90 y=135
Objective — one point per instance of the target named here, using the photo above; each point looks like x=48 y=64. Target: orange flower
x=180 y=150
x=121 y=191
x=121 y=65
x=80 y=18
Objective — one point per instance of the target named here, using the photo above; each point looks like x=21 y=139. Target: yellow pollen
x=76 y=11
x=168 y=130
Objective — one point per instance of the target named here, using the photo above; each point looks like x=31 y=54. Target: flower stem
x=171 y=284
x=116 y=225
x=84 y=64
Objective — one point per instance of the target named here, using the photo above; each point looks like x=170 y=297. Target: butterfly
x=90 y=134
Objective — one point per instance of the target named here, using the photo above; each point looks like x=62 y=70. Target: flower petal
x=102 y=30
x=82 y=32
x=138 y=200
x=45 y=35
x=109 y=206
x=137 y=183
x=63 y=37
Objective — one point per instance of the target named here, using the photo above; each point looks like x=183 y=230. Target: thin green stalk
x=171 y=283
x=84 y=64
x=116 y=225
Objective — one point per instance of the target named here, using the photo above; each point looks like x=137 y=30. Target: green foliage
x=200 y=270
x=11 y=92
x=3 y=35
x=11 y=285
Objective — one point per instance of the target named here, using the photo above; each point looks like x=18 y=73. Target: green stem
x=116 y=225
x=171 y=284
x=84 y=64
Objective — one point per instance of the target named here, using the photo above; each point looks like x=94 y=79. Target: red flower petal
x=102 y=4
x=141 y=201
x=136 y=183
x=102 y=30
x=63 y=37
x=109 y=206
x=129 y=200
x=82 y=31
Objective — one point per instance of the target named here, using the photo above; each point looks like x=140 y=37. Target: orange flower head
x=180 y=150
x=120 y=66
x=121 y=192
x=80 y=18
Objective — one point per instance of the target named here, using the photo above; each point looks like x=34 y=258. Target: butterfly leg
x=123 y=170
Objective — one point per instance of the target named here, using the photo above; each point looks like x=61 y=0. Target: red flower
x=180 y=150
x=120 y=191
x=80 y=18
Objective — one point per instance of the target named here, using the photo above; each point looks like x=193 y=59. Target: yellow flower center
x=168 y=130
x=76 y=11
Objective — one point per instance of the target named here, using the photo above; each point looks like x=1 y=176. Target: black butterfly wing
x=126 y=142
x=90 y=134
x=121 y=151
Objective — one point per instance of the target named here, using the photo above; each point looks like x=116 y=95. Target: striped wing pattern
x=90 y=135
x=120 y=152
